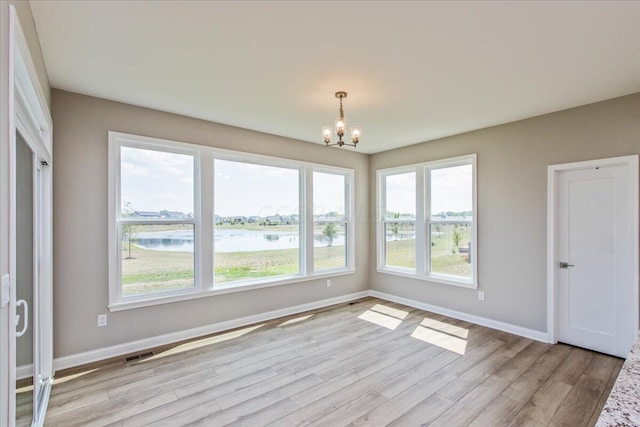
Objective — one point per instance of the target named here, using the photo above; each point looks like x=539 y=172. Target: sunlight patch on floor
x=390 y=311
x=380 y=319
x=447 y=328
x=191 y=345
x=440 y=339
x=60 y=380
x=296 y=320
x=25 y=389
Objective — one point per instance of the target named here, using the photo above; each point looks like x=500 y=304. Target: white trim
x=552 y=230
x=478 y=320
x=221 y=290
x=147 y=343
x=434 y=278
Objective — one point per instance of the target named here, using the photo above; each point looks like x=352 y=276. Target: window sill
x=444 y=280
x=222 y=289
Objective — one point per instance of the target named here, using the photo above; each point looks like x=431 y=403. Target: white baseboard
x=146 y=343
x=482 y=321
x=24 y=371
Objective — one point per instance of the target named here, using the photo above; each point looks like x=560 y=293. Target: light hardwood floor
x=370 y=363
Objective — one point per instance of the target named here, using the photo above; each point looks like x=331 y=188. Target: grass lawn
x=401 y=253
x=152 y=271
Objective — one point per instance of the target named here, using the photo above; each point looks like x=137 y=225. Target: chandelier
x=341 y=127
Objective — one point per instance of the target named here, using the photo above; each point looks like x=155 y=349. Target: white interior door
x=596 y=277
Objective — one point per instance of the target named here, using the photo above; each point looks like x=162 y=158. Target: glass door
x=25 y=279
x=33 y=332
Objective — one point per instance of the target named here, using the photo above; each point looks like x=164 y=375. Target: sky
x=155 y=180
x=451 y=190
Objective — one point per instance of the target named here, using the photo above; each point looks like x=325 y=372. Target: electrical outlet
x=481 y=295
x=102 y=320
x=328 y=283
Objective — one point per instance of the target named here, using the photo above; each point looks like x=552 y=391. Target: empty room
x=327 y=213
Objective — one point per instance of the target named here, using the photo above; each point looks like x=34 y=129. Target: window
x=257 y=230
x=155 y=221
x=451 y=220
x=270 y=221
x=330 y=220
x=427 y=226
x=400 y=220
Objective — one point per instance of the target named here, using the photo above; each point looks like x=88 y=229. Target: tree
x=456 y=238
x=439 y=229
x=330 y=231
x=129 y=231
x=395 y=225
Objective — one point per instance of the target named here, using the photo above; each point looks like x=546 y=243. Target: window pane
x=156 y=258
x=400 y=244
x=257 y=221
x=401 y=196
x=451 y=249
x=400 y=203
x=330 y=250
x=451 y=202
x=452 y=193
x=329 y=229
x=156 y=184
x=328 y=196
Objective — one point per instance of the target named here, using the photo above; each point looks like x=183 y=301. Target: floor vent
x=138 y=356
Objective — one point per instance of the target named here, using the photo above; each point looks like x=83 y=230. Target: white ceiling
x=414 y=71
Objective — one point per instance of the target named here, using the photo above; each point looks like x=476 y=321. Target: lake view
x=226 y=240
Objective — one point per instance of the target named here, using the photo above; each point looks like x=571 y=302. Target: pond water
x=226 y=240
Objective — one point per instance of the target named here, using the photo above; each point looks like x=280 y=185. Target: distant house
x=254 y=219
x=174 y=215
x=274 y=219
x=147 y=214
x=239 y=219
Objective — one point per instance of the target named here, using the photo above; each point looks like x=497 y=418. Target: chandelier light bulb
x=326 y=134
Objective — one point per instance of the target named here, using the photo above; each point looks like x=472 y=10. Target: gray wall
x=512 y=217
x=80 y=192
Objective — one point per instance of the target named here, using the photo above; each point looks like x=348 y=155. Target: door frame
x=553 y=172
x=23 y=108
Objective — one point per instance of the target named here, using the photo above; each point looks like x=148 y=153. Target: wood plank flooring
x=367 y=363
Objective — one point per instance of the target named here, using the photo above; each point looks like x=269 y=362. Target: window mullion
x=306 y=214
x=204 y=236
x=421 y=223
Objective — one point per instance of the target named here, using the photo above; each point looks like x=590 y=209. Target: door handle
x=26 y=317
x=565 y=265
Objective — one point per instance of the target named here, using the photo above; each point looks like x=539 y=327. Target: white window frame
x=116 y=142
x=423 y=221
x=204 y=252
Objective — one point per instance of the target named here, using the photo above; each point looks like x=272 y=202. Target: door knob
x=565 y=265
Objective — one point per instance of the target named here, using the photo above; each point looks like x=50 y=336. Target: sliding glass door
x=32 y=333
